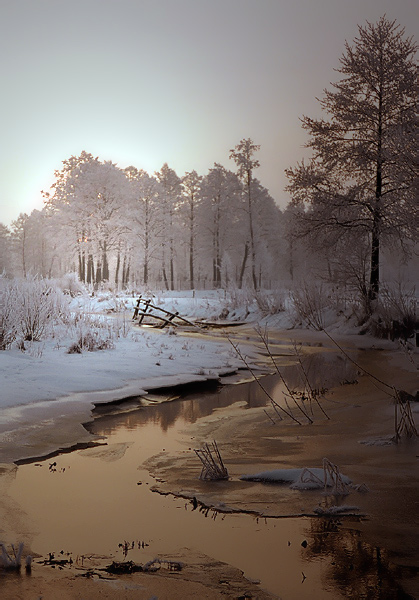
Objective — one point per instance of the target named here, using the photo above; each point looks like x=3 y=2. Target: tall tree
x=220 y=191
x=191 y=183
x=88 y=198
x=5 y=250
x=242 y=154
x=360 y=178
x=145 y=195
x=171 y=186
x=20 y=230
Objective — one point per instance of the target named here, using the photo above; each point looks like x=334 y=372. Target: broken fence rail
x=145 y=308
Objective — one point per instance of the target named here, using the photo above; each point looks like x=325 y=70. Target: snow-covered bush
x=39 y=305
x=239 y=300
x=310 y=303
x=70 y=284
x=90 y=342
x=270 y=302
x=395 y=313
x=9 y=321
x=28 y=307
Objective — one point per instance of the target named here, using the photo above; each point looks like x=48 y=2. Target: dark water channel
x=96 y=499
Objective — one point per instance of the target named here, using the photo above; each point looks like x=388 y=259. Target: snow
x=139 y=362
x=294 y=477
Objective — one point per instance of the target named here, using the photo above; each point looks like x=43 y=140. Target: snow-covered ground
x=43 y=383
x=138 y=359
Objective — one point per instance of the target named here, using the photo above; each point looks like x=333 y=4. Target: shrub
x=395 y=313
x=27 y=308
x=40 y=304
x=70 y=284
x=90 y=342
x=270 y=302
x=8 y=315
x=310 y=303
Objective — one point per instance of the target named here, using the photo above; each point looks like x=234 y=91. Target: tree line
x=126 y=227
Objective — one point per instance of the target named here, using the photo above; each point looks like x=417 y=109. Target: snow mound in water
x=302 y=479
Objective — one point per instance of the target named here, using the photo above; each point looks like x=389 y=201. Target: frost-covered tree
x=88 y=199
x=20 y=228
x=220 y=191
x=171 y=191
x=145 y=191
x=5 y=250
x=243 y=156
x=360 y=180
x=191 y=184
x=266 y=230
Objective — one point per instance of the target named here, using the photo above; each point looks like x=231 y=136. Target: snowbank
x=45 y=371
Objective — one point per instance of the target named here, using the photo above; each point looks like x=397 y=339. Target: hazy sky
x=179 y=81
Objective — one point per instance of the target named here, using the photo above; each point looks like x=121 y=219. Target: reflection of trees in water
x=198 y=401
x=323 y=369
x=192 y=406
x=358 y=569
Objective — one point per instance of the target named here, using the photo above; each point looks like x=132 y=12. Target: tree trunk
x=90 y=269
x=217 y=257
x=23 y=251
x=127 y=272
x=252 y=239
x=291 y=256
x=375 y=258
x=166 y=283
x=105 y=264
x=375 y=234
x=118 y=265
x=81 y=266
x=98 y=273
x=171 y=252
x=191 y=249
x=246 y=254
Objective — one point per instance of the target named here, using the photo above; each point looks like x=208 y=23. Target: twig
x=312 y=394
x=242 y=358
x=264 y=338
x=357 y=365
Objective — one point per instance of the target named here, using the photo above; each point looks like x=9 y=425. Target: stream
x=100 y=500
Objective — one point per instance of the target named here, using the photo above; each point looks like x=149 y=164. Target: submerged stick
x=242 y=358
x=264 y=338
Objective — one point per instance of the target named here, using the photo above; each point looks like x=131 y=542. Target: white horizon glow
x=144 y=83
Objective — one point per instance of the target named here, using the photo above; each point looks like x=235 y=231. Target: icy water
x=96 y=500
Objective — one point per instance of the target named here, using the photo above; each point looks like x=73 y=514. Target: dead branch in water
x=264 y=337
x=404 y=423
x=278 y=409
x=213 y=468
x=312 y=393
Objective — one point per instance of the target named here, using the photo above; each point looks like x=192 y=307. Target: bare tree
x=360 y=178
